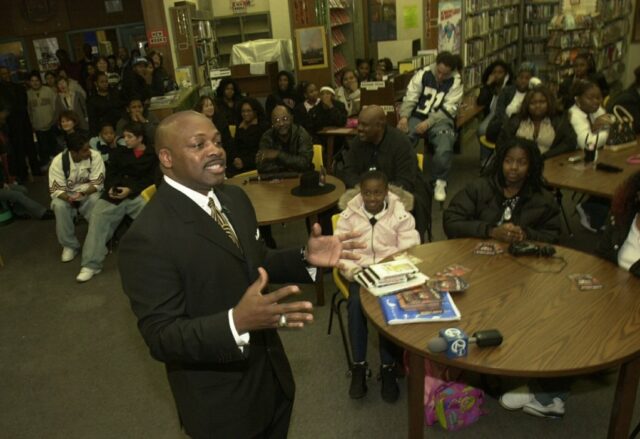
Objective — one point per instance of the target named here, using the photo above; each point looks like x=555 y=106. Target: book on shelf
x=395 y=314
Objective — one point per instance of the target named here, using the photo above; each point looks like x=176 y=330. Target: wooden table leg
x=415 y=392
x=624 y=400
x=330 y=144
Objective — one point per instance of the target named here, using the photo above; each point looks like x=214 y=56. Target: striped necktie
x=223 y=222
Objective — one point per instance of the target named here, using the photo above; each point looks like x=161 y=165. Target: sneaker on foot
x=86 y=274
x=440 y=190
x=358 y=387
x=68 y=254
x=516 y=399
x=553 y=410
x=389 y=390
x=584 y=218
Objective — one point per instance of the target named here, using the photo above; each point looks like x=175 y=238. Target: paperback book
x=395 y=314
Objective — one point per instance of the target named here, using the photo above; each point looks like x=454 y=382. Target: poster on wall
x=312 y=48
x=46 y=53
x=449 y=25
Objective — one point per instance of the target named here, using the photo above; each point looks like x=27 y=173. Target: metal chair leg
x=558 y=194
x=345 y=343
x=332 y=310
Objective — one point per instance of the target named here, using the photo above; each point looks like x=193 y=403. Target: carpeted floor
x=72 y=364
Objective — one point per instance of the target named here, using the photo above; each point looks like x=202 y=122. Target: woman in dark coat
x=241 y=157
x=584 y=68
x=228 y=97
x=508 y=204
x=284 y=94
x=207 y=106
x=537 y=121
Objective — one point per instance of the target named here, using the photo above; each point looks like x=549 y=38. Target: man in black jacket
x=131 y=169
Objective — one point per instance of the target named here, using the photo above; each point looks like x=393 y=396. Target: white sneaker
x=517 y=398
x=68 y=254
x=440 y=191
x=86 y=274
x=553 y=410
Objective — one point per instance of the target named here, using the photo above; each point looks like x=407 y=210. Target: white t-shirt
x=629 y=253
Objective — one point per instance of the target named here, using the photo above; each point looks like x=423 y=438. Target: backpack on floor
x=450 y=403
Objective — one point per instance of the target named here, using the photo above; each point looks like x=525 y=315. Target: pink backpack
x=453 y=404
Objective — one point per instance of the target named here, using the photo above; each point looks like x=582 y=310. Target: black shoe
x=389 y=390
x=359 y=373
x=48 y=215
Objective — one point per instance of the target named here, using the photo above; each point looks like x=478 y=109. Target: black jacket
x=245 y=147
x=295 y=156
x=615 y=234
x=565 y=93
x=500 y=117
x=320 y=116
x=126 y=170
x=477 y=208
x=102 y=109
x=564 y=140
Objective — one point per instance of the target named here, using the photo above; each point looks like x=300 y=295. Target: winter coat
x=394 y=230
x=564 y=140
x=615 y=234
x=294 y=156
x=478 y=208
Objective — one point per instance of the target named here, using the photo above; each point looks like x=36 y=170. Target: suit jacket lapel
x=202 y=223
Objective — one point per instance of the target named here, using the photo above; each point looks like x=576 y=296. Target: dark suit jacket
x=182 y=274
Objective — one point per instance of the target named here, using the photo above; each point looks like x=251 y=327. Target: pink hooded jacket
x=394 y=231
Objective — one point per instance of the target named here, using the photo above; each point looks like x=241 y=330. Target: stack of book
x=388 y=277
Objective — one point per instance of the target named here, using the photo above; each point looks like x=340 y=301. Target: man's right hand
x=403 y=124
x=256 y=311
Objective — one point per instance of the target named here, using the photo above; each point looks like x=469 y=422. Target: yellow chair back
x=420 y=160
x=318 y=163
x=148 y=192
x=486 y=143
x=232 y=130
x=340 y=281
x=253 y=173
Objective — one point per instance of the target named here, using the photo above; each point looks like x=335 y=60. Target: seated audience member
x=68 y=122
x=349 y=92
x=510 y=99
x=384 y=69
x=386 y=149
x=241 y=154
x=228 y=97
x=137 y=83
x=71 y=100
x=621 y=241
x=537 y=121
x=584 y=69
x=207 y=106
x=76 y=177
x=302 y=110
x=161 y=82
x=90 y=79
x=41 y=105
x=378 y=214
x=630 y=100
x=328 y=113
x=106 y=141
x=591 y=124
x=509 y=203
x=429 y=109
x=494 y=79
x=15 y=196
x=103 y=105
x=50 y=80
x=284 y=94
x=364 y=70
x=132 y=168
x=137 y=112
x=285 y=147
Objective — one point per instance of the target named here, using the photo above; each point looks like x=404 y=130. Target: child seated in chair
x=381 y=214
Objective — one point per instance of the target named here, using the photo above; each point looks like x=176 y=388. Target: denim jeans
x=20 y=203
x=65 y=214
x=358 y=332
x=440 y=138
x=105 y=219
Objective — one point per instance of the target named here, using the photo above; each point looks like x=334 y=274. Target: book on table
x=387 y=277
x=418 y=305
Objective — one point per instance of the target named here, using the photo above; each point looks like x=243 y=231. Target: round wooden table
x=550 y=328
x=274 y=204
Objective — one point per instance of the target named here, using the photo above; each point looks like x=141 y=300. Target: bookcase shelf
x=236 y=29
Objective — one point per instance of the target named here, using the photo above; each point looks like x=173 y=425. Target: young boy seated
x=381 y=215
x=106 y=141
x=131 y=169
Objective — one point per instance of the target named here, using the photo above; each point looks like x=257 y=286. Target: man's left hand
x=328 y=250
x=422 y=127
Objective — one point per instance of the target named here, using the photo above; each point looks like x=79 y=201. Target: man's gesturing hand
x=257 y=311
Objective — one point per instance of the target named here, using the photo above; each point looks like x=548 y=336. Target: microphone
x=274 y=176
x=529 y=249
x=455 y=342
